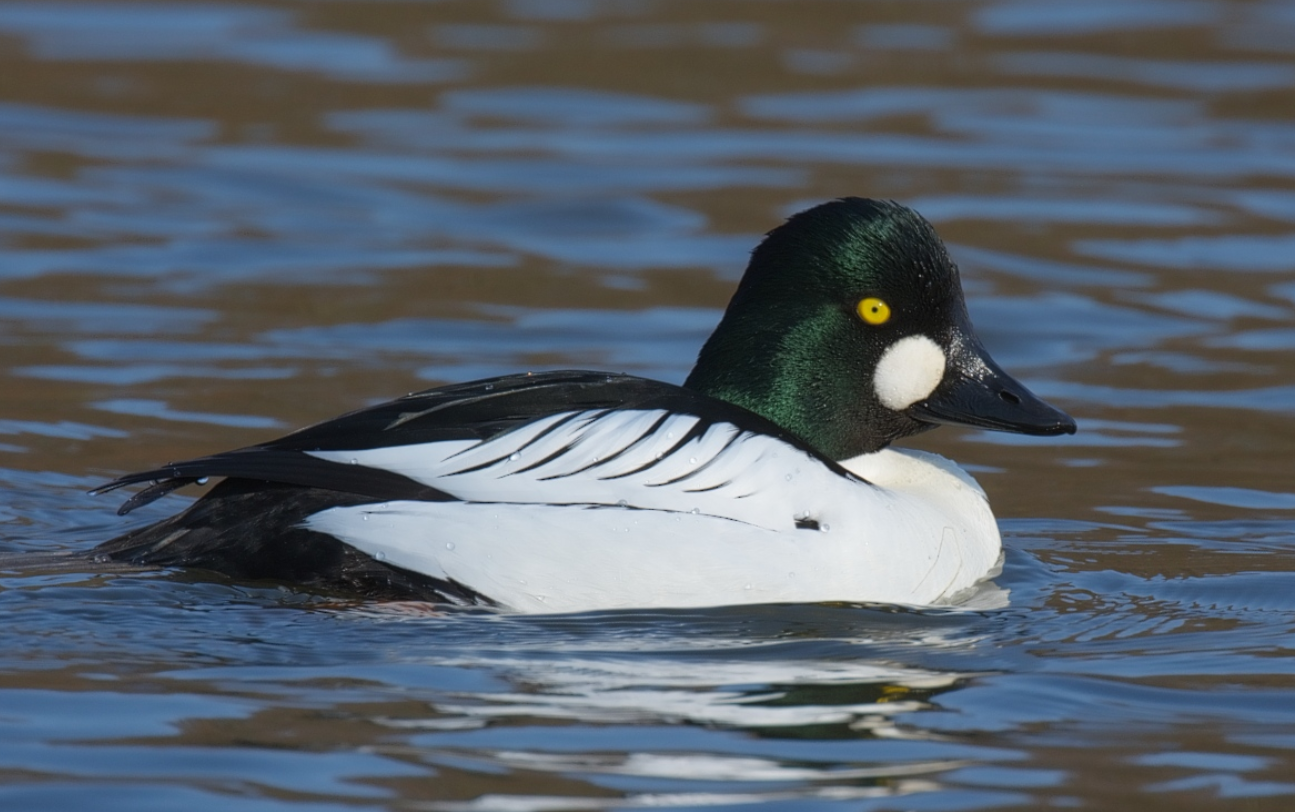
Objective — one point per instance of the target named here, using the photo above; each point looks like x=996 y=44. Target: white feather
x=598 y=510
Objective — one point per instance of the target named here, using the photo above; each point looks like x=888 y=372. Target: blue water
x=221 y=221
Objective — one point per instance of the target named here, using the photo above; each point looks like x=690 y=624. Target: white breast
x=598 y=510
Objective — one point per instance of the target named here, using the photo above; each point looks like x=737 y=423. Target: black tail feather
x=252 y=531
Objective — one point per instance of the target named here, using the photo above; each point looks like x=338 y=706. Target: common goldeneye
x=766 y=477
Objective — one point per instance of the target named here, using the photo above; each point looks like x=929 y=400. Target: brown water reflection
x=222 y=220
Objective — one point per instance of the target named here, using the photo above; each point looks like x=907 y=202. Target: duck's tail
x=252 y=531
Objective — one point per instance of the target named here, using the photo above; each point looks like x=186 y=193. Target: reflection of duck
x=734 y=705
x=795 y=697
x=765 y=477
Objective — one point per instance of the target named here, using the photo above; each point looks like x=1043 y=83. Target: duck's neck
x=789 y=385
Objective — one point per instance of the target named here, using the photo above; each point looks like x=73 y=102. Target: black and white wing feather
x=462 y=442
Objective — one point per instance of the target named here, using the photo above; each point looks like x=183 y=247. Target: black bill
x=976 y=392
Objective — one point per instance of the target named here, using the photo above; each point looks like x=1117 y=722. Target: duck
x=768 y=476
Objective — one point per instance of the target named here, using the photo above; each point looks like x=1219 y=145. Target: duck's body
x=766 y=478
x=536 y=557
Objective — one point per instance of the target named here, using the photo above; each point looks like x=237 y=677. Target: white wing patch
x=647 y=459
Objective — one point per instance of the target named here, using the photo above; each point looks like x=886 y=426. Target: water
x=220 y=221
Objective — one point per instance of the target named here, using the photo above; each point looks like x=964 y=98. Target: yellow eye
x=873 y=310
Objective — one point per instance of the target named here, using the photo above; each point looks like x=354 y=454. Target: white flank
x=908 y=371
x=599 y=510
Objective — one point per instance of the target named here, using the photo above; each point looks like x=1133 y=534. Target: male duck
x=766 y=477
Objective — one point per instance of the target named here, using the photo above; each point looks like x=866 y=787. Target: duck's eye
x=873 y=310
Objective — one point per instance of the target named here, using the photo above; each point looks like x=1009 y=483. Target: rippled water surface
x=221 y=220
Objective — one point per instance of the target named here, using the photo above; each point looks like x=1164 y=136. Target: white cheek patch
x=908 y=371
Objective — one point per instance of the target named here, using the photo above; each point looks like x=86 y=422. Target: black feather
x=265 y=464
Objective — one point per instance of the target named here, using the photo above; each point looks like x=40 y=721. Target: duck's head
x=849 y=330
